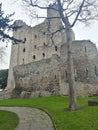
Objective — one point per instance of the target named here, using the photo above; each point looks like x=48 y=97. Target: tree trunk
x=72 y=90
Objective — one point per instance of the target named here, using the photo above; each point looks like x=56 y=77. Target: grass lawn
x=8 y=120
x=84 y=119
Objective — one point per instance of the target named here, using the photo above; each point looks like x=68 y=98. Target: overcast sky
x=81 y=31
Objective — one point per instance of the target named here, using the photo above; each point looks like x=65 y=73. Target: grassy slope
x=84 y=119
x=8 y=120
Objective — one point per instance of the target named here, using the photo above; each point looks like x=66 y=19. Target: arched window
x=43 y=55
x=34 y=57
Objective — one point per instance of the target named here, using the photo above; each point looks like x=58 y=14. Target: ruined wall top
x=52 y=11
x=19 y=22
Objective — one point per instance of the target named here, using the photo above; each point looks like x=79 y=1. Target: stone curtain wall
x=48 y=77
x=5 y=94
x=40 y=78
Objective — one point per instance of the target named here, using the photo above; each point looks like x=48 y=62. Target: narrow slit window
x=66 y=74
x=44 y=44
x=96 y=72
x=23 y=60
x=86 y=71
x=24 y=49
x=85 y=49
x=56 y=48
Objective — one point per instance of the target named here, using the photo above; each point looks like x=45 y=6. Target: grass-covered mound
x=84 y=119
x=8 y=120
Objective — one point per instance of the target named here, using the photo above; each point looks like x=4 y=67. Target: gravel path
x=31 y=118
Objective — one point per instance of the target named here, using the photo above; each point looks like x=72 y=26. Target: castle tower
x=19 y=51
x=36 y=43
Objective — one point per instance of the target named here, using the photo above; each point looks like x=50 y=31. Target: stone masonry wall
x=85 y=58
x=38 y=78
x=48 y=77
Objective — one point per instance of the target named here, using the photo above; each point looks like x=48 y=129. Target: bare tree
x=70 y=12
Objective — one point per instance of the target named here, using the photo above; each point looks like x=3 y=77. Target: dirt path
x=31 y=118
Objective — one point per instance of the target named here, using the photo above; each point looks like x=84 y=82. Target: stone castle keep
x=38 y=65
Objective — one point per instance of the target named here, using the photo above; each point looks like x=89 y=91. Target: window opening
x=35 y=36
x=85 y=49
x=24 y=40
x=35 y=46
x=23 y=60
x=56 y=48
x=24 y=49
x=66 y=74
x=44 y=33
x=43 y=54
x=86 y=71
x=34 y=57
x=96 y=71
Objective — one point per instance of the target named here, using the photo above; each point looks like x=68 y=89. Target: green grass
x=84 y=119
x=8 y=120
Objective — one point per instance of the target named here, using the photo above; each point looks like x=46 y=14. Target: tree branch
x=40 y=7
x=4 y=36
x=53 y=33
x=69 y=3
x=80 y=9
x=60 y=9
